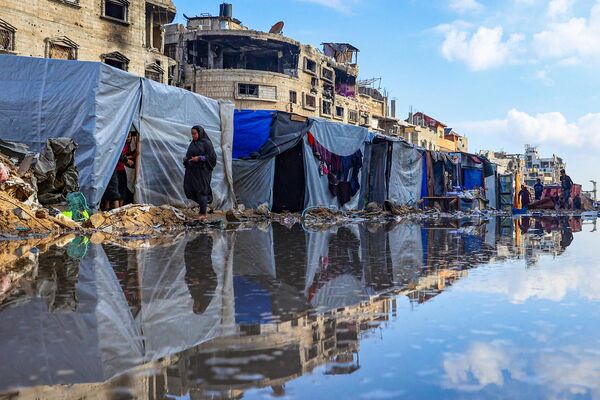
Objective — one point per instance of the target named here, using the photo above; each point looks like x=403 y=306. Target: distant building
x=220 y=58
x=124 y=34
x=431 y=134
x=506 y=163
x=546 y=169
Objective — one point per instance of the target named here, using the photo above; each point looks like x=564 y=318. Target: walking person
x=525 y=196
x=538 y=189
x=566 y=184
x=199 y=162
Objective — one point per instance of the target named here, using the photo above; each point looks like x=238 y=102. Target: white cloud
x=557 y=8
x=577 y=37
x=484 y=49
x=465 y=6
x=551 y=127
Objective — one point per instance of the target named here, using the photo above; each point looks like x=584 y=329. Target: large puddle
x=454 y=309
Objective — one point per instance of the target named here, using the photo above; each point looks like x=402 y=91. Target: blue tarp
x=250 y=131
x=472 y=178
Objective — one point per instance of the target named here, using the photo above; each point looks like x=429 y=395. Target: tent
x=344 y=141
x=96 y=105
x=406 y=175
x=274 y=174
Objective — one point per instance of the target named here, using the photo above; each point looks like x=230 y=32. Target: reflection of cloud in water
x=552 y=283
x=563 y=372
x=483 y=364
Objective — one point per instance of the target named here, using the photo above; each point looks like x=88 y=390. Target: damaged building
x=126 y=34
x=220 y=58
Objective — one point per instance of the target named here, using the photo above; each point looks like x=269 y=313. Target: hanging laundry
x=342 y=171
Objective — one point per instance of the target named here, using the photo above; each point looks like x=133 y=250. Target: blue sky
x=505 y=72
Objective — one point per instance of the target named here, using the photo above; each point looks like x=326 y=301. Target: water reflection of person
x=200 y=276
x=525 y=224
x=566 y=234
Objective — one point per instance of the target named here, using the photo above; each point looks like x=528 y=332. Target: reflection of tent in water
x=175 y=314
x=96 y=105
x=91 y=344
x=259 y=296
x=101 y=338
x=334 y=275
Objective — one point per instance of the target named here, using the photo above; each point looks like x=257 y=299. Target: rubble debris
x=139 y=220
x=397 y=209
x=263 y=209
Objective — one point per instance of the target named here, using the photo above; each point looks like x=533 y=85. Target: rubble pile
x=139 y=220
x=19 y=210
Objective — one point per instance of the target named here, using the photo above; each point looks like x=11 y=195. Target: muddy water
x=454 y=309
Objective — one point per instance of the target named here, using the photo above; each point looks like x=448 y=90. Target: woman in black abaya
x=199 y=162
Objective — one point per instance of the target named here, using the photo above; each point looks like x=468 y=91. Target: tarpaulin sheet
x=250 y=131
x=406 y=176
x=253 y=182
x=341 y=139
x=166 y=117
x=91 y=103
x=374 y=177
x=93 y=343
x=491 y=193
x=472 y=178
x=284 y=135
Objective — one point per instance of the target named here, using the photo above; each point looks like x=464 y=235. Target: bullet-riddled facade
x=218 y=57
x=125 y=34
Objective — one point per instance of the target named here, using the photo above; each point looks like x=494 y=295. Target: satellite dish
x=277 y=28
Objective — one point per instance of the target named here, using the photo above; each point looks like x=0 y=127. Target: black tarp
x=284 y=135
x=289 y=180
x=377 y=171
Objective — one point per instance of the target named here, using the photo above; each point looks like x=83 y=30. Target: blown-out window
x=7 y=37
x=116 y=9
x=116 y=59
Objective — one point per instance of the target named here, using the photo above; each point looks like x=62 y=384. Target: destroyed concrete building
x=431 y=134
x=124 y=34
x=220 y=58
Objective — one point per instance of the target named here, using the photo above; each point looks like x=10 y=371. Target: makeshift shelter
x=406 y=176
x=274 y=173
x=333 y=159
x=96 y=105
x=376 y=171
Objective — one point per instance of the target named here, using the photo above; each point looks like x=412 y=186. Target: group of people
x=566 y=185
x=119 y=191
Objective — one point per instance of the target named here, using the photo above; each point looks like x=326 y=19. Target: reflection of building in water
x=217 y=314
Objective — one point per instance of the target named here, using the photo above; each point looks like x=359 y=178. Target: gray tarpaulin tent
x=96 y=105
x=340 y=139
x=254 y=179
x=406 y=176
